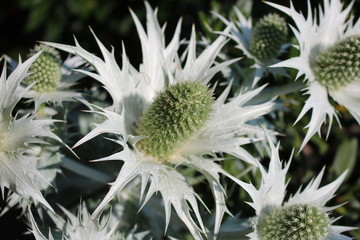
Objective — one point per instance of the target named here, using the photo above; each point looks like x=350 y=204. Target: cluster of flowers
x=170 y=128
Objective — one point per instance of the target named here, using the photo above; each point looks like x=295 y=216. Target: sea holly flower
x=165 y=116
x=51 y=78
x=262 y=42
x=17 y=135
x=77 y=227
x=303 y=216
x=329 y=59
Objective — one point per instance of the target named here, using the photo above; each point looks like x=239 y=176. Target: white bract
x=46 y=159
x=303 y=216
x=165 y=116
x=80 y=227
x=329 y=58
x=17 y=134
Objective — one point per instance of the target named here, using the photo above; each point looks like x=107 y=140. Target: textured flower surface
x=17 y=134
x=51 y=78
x=303 y=216
x=329 y=59
x=165 y=116
x=262 y=42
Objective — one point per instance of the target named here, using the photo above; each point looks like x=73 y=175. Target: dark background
x=23 y=22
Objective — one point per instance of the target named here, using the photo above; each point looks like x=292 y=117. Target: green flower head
x=267 y=37
x=338 y=65
x=298 y=221
x=46 y=70
x=173 y=117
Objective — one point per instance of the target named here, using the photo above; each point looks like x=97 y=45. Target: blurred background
x=24 y=22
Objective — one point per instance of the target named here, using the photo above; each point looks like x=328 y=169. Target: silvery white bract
x=17 y=134
x=36 y=231
x=46 y=159
x=136 y=94
x=80 y=227
x=317 y=37
x=303 y=216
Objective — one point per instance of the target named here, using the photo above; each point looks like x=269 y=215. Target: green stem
x=85 y=171
x=274 y=91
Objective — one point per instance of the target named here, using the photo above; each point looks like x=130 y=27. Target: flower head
x=303 y=216
x=173 y=117
x=165 y=116
x=51 y=78
x=46 y=69
x=262 y=42
x=338 y=65
x=17 y=136
x=268 y=36
x=329 y=59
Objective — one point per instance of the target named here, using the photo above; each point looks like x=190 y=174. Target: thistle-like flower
x=303 y=216
x=51 y=79
x=263 y=42
x=17 y=134
x=330 y=60
x=165 y=116
x=80 y=227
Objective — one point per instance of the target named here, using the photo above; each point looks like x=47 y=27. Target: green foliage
x=346 y=156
